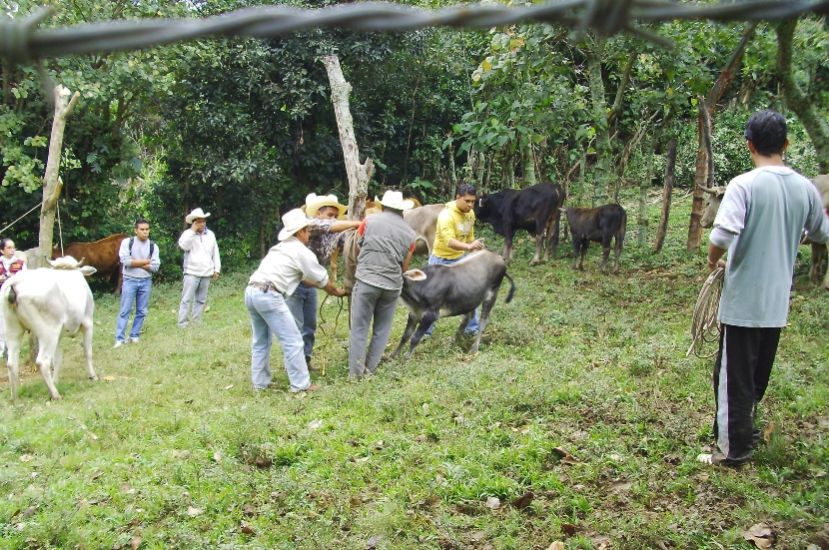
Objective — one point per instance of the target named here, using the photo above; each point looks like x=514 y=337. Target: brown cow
x=101 y=254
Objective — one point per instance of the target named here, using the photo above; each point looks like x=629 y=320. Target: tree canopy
x=244 y=127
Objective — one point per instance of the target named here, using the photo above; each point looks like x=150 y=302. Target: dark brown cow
x=101 y=254
x=600 y=225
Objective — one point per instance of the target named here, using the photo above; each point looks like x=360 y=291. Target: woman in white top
x=10 y=264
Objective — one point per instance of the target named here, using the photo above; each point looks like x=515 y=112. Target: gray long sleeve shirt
x=760 y=221
x=140 y=251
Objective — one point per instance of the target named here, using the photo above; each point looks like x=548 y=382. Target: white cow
x=49 y=303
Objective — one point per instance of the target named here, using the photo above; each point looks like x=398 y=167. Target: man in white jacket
x=202 y=264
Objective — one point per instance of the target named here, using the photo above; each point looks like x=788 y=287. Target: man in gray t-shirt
x=759 y=223
x=386 y=247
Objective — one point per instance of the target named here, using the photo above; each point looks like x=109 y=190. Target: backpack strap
x=152 y=246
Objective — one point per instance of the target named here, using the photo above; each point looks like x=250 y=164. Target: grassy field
x=579 y=420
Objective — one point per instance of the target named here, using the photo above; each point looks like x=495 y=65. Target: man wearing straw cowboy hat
x=759 y=223
x=325 y=232
x=276 y=278
x=201 y=265
x=386 y=247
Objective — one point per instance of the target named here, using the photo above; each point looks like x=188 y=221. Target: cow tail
x=511 y=292
x=12 y=294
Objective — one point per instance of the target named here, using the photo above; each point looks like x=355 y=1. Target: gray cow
x=448 y=290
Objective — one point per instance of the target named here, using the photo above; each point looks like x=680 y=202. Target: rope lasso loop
x=705 y=329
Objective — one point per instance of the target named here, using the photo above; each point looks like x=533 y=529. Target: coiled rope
x=704 y=326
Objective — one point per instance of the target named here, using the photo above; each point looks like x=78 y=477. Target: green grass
x=172 y=448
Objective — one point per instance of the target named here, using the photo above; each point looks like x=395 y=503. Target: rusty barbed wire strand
x=20 y=41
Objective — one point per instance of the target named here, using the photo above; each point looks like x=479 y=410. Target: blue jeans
x=472 y=327
x=133 y=291
x=303 y=306
x=270 y=314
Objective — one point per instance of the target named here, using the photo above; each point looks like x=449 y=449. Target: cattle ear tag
x=415 y=275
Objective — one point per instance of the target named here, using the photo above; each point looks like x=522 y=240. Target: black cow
x=599 y=225
x=448 y=290
x=534 y=209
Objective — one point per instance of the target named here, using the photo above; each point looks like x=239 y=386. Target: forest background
x=245 y=128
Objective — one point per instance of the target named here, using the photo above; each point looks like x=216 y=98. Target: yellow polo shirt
x=453 y=224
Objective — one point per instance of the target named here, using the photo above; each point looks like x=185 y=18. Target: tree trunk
x=453 y=175
x=529 y=163
x=666 y=195
x=815 y=125
x=702 y=163
x=52 y=183
x=358 y=173
x=603 y=150
x=644 y=186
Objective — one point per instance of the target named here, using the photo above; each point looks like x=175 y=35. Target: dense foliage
x=245 y=128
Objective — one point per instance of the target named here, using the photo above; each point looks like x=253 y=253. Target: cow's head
x=68 y=263
x=712 y=205
x=482 y=207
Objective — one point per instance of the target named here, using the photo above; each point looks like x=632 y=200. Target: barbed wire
x=21 y=40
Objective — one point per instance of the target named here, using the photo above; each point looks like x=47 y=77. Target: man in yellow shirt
x=455 y=236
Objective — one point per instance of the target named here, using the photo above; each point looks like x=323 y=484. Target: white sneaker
x=134 y=340
x=118 y=344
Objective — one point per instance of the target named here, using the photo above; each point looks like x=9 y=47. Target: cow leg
x=556 y=233
x=819 y=260
x=47 y=344
x=620 y=240
x=425 y=322
x=539 y=247
x=14 y=337
x=57 y=362
x=411 y=323
x=576 y=252
x=508 y=246
x=605 y=254
x=486 y=307
x=826 y=279
x=549 y=235
x=583 y=252
x=464 y=321
x=87 y=350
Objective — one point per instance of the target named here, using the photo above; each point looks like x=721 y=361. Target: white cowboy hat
x=293 y=221
x=394 y=200
x=196 y=214
x=314 y=202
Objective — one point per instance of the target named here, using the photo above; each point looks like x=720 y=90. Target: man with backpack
x=139 y=259
x=202 y=264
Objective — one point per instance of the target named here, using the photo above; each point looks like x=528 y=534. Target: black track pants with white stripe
x=741 y=375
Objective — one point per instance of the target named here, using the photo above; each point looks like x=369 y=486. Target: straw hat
x=314 y=202
x=196 y=214
x=395 y=201
x=292 y=221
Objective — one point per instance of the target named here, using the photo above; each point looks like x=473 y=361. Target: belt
x=265 y=287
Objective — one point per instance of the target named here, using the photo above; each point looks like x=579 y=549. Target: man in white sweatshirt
x=202 y=264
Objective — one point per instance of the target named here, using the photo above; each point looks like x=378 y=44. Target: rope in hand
x=341 y=302
x=704 y=326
